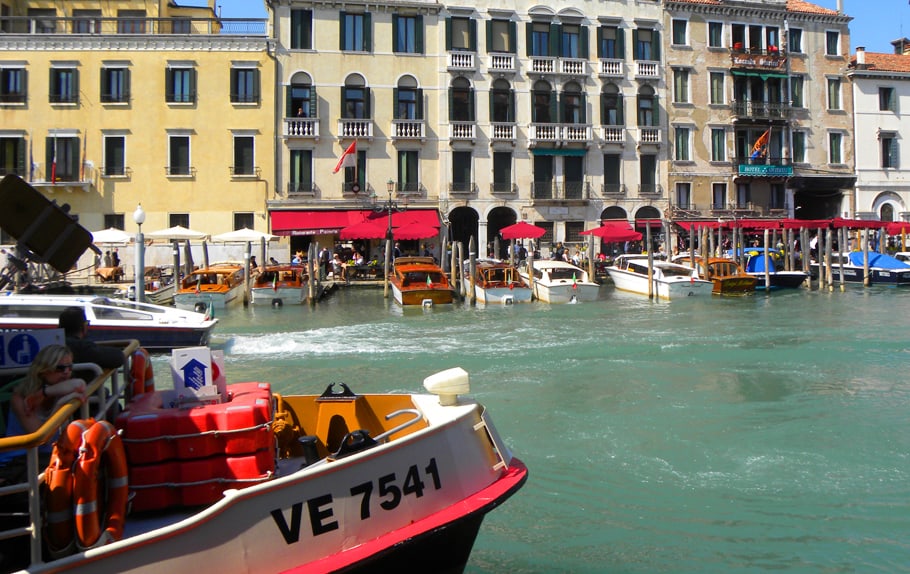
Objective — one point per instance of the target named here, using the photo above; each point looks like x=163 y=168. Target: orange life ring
x=58 y=480
x=101 y=457
x=142 y=376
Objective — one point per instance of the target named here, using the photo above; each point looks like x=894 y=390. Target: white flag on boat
x=348 y=158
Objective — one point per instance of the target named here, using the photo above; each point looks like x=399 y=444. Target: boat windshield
x=124 y=309
x=678 y=270
x=564 y=273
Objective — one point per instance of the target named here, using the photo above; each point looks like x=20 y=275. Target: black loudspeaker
x=44 y=228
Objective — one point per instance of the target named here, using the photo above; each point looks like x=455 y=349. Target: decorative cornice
x=64 y=42
x=756 y=12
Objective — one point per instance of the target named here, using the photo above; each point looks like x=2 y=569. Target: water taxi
x=214 y=286
x=420 y=281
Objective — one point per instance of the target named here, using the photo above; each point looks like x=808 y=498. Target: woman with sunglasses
x=47 y=386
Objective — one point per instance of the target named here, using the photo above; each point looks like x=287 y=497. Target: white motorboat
x=214 y=286
x=266 y=483
x=560 y=282
x=155 y=326
x=668 y=280
x=500 y=282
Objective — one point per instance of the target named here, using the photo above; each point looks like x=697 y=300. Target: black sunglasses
x=64 y=368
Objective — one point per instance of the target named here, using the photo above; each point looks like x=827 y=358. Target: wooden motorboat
x=420 y=281
x=356 y=483
x=560 y=282
x=499 y=282
x=215 y=286
x=156 y=326
x=278 y=285
x=668 y=280
x=728 y=277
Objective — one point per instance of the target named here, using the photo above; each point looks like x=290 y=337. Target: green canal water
x=759 y=434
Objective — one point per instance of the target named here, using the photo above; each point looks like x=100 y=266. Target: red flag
x=348 y=158
x=54 y=163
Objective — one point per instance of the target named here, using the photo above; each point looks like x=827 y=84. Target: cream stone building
x=106 y=105
x=760 y=112
x=483 y=113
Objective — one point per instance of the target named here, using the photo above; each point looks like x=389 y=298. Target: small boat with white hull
x=668 y=280
x=262 y=482
x=883 y=269
x=278 y=285
x=420 y=281
x=559 y=282
x=498 y=281
x=214 y=286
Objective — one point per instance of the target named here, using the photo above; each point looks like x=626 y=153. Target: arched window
x=611 y=113
x=408 y=99
x=887 y=212
x=355 y=98
x=301 y=97
x=573 y=104
x=544 y=102
x=647 y=107
x=461 y=101
x=502 y=102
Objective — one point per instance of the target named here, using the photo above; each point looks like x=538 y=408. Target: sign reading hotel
x=766 y=170
x=763 y=61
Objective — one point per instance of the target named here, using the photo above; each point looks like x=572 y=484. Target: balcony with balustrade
x=760 y=111
x=615 y=135
x=501 y=64
x=503 y=133
x=648 y=136
x=409 y=130
x=462 y=189
x=301 y=128
x=461 y=62
x=613 y=190
x=650 y=190
x=463 y=132
x=611 y=68
x=355 y=128
x=560 y=134
x=647 y=70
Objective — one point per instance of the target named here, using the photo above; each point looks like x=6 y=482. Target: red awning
x=612 y=231
x=330 y=222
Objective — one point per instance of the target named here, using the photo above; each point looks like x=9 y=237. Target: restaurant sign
x=762 y=61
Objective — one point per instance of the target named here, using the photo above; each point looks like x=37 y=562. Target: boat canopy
x=879 y=260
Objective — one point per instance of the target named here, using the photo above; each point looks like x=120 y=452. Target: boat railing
x=418 y=416
x=101 y=400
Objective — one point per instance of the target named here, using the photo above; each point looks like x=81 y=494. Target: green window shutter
x=635 y=54
x=104 y=82
x=420 y=104
x=419 y=32
x=21 y=168
x=562 y=108
x=368 y=32
x=451 y=105
x=620 y=43
x=554 y=107
x=341 y=35
x=513 y=37
x=490 y=94
x=52 y=82
x=289 y=110
x=583 y=49
x=366 y=104
x=396 y=111
x=600 y=41
x=256 y=93
x=489 y=36
x=656 y=120
x=313 y=103
x=554 y=39
x=76 y=85
x=584 y=108
x=620 y=112
x=471 y=106
x=394 y=32
x=168 y=83
x=603 y=108
x=344 y=103
x=48 y=157
x=472 y=27
x=126 y=83
x=234 y=73
x=511 y=116
x=655 y=45
x=529 y=38
x=449 y=34
x=193 y=86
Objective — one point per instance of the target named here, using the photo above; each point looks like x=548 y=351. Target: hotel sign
x=766 y=170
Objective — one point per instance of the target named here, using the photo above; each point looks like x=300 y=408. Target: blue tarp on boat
x=876 y=259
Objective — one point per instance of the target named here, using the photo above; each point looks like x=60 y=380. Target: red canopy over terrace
x=897 y=227
x=413 y=231
x=332 y=221
x=613 y=231
x=522 y=230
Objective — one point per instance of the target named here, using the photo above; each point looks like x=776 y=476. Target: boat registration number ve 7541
x=388 y=489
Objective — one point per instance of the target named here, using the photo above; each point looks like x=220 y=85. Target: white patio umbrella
x=244 y=235
x=177 y=232
x=111 y=235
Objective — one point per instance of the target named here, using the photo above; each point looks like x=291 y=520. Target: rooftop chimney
x=860 y=56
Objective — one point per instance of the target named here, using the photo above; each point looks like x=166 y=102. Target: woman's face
x=62 y=372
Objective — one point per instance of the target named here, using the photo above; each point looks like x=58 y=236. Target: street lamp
x=139 y=218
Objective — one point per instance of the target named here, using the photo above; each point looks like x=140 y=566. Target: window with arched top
x=573 y=104
x=647 y=107
x=611 y=112
x=887 y=212
x=544 y=103
x=502 y=102
x=461 y=101
x=408 y=99
x=300 y=100
x=355 y=98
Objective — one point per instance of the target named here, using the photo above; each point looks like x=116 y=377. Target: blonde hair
x=46 y=360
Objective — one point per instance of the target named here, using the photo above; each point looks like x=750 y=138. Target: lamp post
x=139 y=218
x=389 y=207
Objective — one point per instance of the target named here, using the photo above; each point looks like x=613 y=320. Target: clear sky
x=875 y=22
